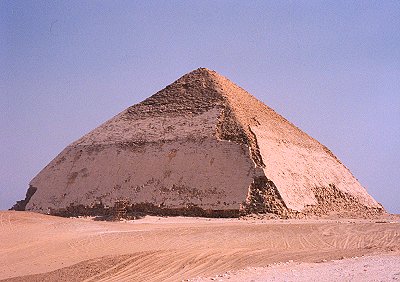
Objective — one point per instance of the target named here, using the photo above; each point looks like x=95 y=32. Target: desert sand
x=368 y=268
x=37 y=247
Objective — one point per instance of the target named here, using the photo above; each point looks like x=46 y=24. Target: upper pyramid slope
x=196 y=93
x=201 y=141
x=187 y=107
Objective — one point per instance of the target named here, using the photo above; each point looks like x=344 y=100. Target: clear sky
x=330 y=67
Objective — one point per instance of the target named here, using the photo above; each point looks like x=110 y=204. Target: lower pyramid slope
x=201 y=142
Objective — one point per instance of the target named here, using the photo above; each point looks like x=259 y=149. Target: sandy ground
x=370 y=268
x=35 y=247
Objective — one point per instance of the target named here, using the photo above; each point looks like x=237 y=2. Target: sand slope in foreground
x=36 y=247
x=363 y=269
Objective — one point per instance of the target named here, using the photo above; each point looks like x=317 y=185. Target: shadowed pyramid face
x=202 y=141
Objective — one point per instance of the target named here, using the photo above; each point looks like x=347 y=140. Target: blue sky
x=330 y=67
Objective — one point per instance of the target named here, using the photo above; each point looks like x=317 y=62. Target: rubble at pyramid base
x=331 y=202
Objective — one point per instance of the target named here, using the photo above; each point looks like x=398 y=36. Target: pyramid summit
x=201 y=142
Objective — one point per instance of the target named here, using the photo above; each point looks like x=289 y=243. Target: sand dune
x=35 y=247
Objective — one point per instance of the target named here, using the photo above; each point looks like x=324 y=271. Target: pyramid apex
x=203 y=70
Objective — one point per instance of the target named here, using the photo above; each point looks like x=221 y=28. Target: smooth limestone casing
x=292 y=169
x=207 y=173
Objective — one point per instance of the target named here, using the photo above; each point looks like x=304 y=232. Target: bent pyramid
x=202 y=141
